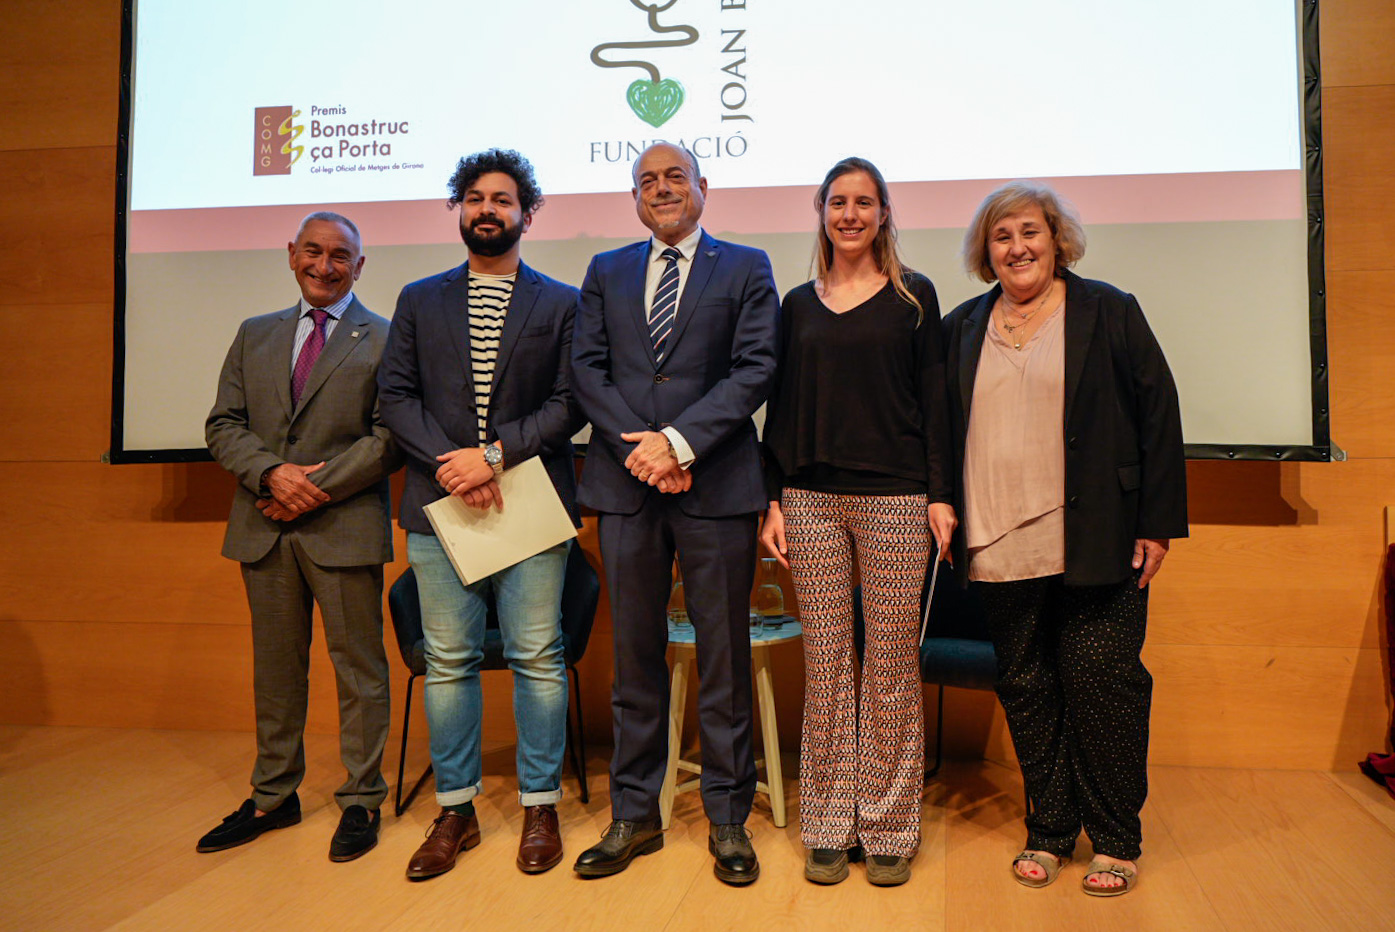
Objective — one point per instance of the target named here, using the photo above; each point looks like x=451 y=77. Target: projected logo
x=657 y=99
x=274 y=150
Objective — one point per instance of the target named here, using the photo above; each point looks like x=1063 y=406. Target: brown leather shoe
x=450 y=834
x=540 y=848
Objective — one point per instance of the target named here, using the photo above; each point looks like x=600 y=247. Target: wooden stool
x=684 y=653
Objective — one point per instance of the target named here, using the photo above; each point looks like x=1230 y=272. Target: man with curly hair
x=475 y=379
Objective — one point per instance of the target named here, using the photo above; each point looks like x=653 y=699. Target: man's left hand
x=653 y=459
x=680 y=481
x=483 y=496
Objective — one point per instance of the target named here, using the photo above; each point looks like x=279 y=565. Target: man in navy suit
x=474 y=379
x=674 y=351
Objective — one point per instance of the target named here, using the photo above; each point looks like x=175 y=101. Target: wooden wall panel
x=1358 y=129
x=1311 y=578
x=1356 y=41
x=56 y=226
x=148 y=675
x=60 y=61
x=127 y=544
x=1226 y=706
x=55 y=396
x=1291 y=708
x=1266 y=637
x=1361 y=353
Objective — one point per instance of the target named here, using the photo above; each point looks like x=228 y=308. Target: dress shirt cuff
x=680 y=447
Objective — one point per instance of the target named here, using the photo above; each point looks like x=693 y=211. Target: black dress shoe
x=244 y=824
x=735 y=859
x=356 y=835
x=622 y=842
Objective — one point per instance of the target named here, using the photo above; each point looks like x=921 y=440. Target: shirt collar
x=335 y=310
x=687 y=245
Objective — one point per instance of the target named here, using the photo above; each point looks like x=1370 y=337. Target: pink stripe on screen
x=1189 y=198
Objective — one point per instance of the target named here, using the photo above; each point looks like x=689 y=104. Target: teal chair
x=958 y=650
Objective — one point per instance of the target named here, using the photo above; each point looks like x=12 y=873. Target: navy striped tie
x=665 y=307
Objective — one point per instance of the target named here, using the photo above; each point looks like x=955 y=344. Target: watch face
x=493 y=455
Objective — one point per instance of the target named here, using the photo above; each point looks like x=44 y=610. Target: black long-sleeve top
x=859 y=401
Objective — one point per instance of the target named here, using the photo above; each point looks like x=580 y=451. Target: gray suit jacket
x=252 y=427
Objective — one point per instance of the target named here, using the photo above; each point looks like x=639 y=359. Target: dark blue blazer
x=427 y=399
x=718 y=370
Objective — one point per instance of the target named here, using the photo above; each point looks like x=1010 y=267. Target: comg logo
x=658 y=98
x=274 y=150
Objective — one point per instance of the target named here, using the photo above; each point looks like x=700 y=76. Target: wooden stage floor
x=99 y=828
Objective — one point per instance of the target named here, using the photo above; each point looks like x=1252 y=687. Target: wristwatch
x=495 y=458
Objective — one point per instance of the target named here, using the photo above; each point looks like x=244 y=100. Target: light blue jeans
x=528 y=596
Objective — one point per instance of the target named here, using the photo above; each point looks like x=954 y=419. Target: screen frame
x=1320 y=450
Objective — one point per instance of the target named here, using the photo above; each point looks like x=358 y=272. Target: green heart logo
x=655 y=101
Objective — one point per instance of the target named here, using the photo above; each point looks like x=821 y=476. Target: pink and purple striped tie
x=309 y=352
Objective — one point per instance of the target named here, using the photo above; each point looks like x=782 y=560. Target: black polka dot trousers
x=1077 y=697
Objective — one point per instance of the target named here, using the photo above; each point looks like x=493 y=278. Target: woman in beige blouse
x=1072 y=482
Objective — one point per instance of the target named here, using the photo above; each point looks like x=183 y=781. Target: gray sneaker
x=888 y=870
x=826 y=865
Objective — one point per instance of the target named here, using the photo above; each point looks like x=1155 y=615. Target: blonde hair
x=1066 y=230
x=884 y=248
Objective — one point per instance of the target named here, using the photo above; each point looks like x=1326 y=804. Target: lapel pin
x=354 y=334
x=711 y=253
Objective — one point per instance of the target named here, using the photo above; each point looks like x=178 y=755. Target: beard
x=493 y=243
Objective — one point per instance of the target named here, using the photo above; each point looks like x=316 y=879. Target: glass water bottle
x=677 y=608
x=769 y=601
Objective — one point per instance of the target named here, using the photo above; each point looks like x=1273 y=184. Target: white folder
x=483 y=541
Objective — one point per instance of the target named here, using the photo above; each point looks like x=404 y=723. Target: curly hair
x=469 y=169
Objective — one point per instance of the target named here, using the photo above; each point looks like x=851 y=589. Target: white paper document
x=483 y=541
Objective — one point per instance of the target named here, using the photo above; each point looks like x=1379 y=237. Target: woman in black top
x=856 y=438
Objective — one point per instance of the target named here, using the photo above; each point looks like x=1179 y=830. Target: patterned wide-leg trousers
x=862 y=757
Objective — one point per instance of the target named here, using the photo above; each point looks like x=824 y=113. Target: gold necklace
x=1025 y=317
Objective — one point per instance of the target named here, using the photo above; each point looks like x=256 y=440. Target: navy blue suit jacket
x=427 y=398
x=718 y=370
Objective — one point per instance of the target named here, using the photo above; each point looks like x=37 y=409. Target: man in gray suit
x=296 y=421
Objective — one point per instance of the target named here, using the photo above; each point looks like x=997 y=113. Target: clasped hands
x=292 y=492
x=652 y=462
x=464 y=474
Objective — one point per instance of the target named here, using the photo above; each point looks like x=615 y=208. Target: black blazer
x=1126 y=472
x=717 y=371
x=427 y=397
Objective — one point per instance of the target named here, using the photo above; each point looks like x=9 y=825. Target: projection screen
x=1179 y=131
